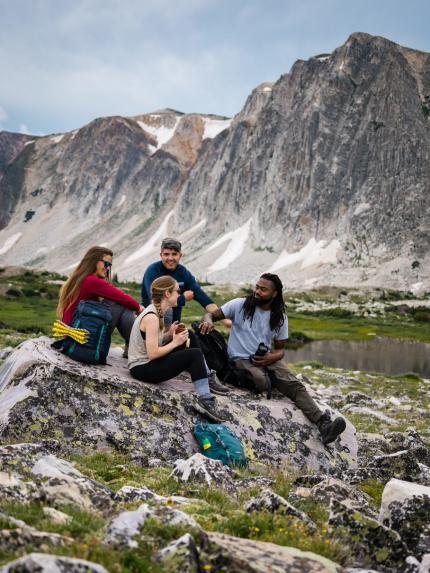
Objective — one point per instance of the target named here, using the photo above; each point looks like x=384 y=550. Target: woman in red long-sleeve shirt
x=89 y=281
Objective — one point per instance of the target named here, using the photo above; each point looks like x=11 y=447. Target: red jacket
x=92 y=288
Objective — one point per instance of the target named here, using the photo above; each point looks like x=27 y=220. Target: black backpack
x=96 y=318
x=214 y=348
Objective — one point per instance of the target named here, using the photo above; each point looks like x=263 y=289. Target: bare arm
x=208 y=320
x=273 y=356
x=212 y=307
x=150 y=325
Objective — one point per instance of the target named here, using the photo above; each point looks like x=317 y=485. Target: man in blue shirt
x=169 y=265
x=190 y=289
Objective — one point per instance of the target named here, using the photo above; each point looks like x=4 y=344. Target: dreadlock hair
x=277 y=308
x=160 y=286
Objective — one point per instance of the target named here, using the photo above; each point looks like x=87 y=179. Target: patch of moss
x=374 y=489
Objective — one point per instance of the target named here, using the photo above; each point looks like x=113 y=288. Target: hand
x=266 y=360
x=179 y=338
x=188 y=294
x=206 y=326
x=141 y=309
x=172 y=329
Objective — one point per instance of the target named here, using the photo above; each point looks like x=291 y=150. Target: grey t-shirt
x=244 y=337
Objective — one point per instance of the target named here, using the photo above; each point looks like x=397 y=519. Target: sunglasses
x=107 y=264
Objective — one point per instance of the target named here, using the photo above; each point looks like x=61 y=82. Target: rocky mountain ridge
x=322 y=177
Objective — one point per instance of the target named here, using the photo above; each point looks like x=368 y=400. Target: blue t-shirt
x=244 y=336
x=185 y=280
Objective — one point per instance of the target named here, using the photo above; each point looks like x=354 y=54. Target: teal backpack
x=217 y=442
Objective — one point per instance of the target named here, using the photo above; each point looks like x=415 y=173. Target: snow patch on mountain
x=237 y=240
x=57 y=138
x=153 y=243
x=361 y=208
x=214 y=126
x=314 y=253
x=9 y=243
x=189 y=232
x=162 y=133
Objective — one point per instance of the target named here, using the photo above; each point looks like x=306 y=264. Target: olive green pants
x=286 y=382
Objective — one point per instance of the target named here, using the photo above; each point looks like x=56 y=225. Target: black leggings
x=161 y=369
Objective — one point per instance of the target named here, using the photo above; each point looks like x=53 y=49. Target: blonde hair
x=70 y=290
x=158 y=288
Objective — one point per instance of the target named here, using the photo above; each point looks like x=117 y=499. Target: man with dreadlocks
x=258 y=320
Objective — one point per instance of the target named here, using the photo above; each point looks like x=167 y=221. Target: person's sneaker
x=330 y=429
x=125 y=352
x=215 y=385
x=207 y=408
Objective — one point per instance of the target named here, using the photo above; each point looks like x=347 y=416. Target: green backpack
x=217 y=442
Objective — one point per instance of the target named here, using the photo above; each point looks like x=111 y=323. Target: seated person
x=169 y=265
x=155 y=355
x=260 y=318
x=90 y=281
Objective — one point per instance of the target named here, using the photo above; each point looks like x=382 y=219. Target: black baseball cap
x=169 y=243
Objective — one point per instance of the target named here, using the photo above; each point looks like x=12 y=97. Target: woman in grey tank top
x=155 y=356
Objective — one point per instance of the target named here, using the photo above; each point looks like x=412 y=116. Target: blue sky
x=65 y=62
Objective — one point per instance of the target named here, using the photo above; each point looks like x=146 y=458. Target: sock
x=201 y=386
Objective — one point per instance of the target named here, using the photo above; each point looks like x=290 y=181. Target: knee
x=195 y=355
x=260 y=379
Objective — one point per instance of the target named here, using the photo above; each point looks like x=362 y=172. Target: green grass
x=30 y=310
x=410 y=389
x=374 y=489
x=220 y=512
x=114 y=470
x=326 y=327
x=82 y=523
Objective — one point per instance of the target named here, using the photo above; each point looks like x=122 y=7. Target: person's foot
x=330 y=429
x=207 y=408
x=215 y=385
x=125 y=352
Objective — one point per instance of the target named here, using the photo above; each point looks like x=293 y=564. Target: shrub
x=13 y=292
x=422 y=315
x=30 y=291
x=297 y=339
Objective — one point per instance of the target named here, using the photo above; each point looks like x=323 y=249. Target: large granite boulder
x=128 y=525
x=42 y=563
x=29 y=472
x=46 y=396
x=405 y=507
x=235 y=555
x=371 y=543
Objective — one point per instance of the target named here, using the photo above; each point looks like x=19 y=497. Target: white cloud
x=23 y=128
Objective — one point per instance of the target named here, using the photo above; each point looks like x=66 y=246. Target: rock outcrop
x=63 y=423
x=42 y=563
x=45 y=396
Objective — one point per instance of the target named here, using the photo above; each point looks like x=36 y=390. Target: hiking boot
x=330 y=429
x=125 y=352
x=207 y=408
x=215 y=385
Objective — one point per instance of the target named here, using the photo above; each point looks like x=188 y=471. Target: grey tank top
x=137 y=353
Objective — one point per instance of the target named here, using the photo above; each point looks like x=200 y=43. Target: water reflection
x=385 y=355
